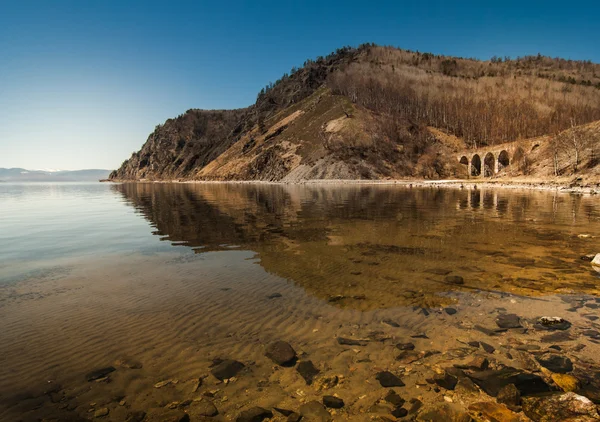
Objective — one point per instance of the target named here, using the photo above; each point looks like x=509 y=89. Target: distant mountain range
x=24 y=175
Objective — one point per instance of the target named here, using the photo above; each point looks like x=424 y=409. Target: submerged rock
x=254 y=414
x=307 y=370
x=560 y=407
x=556 y=337
x=326 y=382
x=443 y=412
x=489 y=332
x=394 y=398
x=387 y=379
x=205 y=408
x=509 y=395
x=315 y=411
x=508 y=321
x=528 y=347
x=294 y=417
x=409 y=356
x=492 y=381
x=281 y=353
x=135 y=416
x=446 y=380
x=228 y=368
x=555 y=363
x=333 y=402
x=100 y=413
x=490 y=411
x=419 y=335
x=415 y=406
x=167 y=415
x=405 y=346
x=351 y=342
x=487 y=347
x=567 y=383
x=162 y=384
x=391 y=323
x=99 y=373
x=399 y=412
x=284 y=412
x=466 y=386
x=478 y=363
x=454 y=279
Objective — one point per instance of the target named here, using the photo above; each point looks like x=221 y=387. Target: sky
x=83 y=83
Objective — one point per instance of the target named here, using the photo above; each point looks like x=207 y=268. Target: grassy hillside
x=374 y=112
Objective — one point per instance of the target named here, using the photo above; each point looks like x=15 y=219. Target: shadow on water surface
x=370 y=247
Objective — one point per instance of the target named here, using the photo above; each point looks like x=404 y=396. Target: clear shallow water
x=331 y=240
x=172 y=276
x=45 y=225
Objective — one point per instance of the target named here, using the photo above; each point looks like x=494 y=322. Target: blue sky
x=83 y=83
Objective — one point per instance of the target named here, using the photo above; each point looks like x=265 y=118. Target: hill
x=374 y=112
x=23 y=175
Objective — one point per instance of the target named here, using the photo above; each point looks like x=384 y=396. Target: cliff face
x=181 y=145
x=372 y=113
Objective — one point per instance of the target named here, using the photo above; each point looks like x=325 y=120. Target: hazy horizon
x=83 y=84
x=53 y=170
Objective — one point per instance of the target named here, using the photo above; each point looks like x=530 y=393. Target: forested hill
x=373 y=112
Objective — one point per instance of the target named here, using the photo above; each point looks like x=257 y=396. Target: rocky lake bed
x=488 y=356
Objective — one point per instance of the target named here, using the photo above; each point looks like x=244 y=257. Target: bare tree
x=577 y=142
x=555 y=148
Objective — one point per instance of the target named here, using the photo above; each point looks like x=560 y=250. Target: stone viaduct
x=489 y=161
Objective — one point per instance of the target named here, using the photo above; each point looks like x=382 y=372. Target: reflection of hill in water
x=370 y=247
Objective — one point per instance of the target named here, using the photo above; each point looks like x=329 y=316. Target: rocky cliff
x=372 y=113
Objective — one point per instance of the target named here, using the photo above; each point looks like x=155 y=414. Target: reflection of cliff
x=369 y=247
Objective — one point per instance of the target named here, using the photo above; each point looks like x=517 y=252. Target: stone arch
x=475 y=165
x=503 y=160
x=489 y=165
x=464 y=160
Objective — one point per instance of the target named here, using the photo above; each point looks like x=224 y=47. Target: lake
x=117 y=299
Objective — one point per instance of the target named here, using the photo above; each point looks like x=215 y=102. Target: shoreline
x=552 y=186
